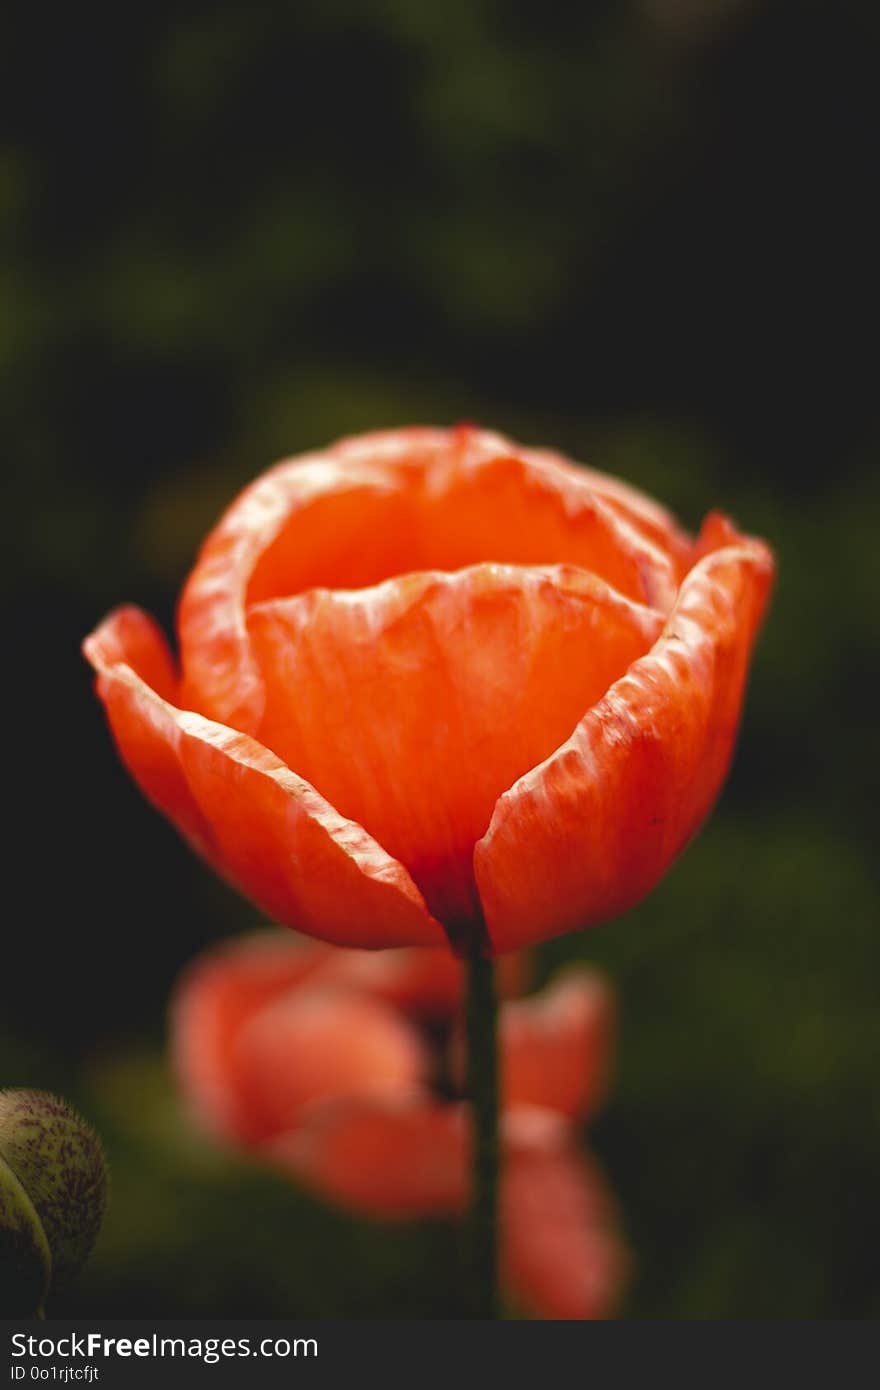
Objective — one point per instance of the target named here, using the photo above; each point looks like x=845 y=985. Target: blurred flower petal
x=429 y=984
x=311 y=1043
x=555 y=1046
x=385 y=1157
x=562 y=1257
x=215 y=997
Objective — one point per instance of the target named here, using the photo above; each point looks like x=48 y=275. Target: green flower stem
x=482 y=1085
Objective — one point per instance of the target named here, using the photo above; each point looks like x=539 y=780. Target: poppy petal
x=131 y=637
x=387 y=1157
x=561 y=1256
x=367 y=509
x=312 y=1043
x=555 y=1046
x=588 y=833
x=129 y=651
x=212 y=1002
x=483 y=497
x=414 y=704
x=407 y=1157
x=303 y=523
x=428 y=984
x=653 y=521
x=262 y=827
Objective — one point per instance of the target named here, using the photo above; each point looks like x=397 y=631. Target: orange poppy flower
x=341 y=1077
x=435 y=682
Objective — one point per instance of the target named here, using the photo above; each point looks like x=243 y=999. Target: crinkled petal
x=308 y=522
x=654 y=522
x=411 y=706
x=129 y=652
x=585 y=835
x=482 y=496
x=264 y=828
x=387 y=504
x=130 y=637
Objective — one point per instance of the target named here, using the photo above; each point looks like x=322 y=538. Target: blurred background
x=641 y=233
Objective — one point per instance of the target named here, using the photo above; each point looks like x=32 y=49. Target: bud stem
x=481 y=1023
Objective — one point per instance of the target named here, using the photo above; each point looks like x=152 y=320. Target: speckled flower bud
x=53 y=1193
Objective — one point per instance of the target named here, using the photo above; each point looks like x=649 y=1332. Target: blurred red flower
x=433 y=681
x=339 y=1069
